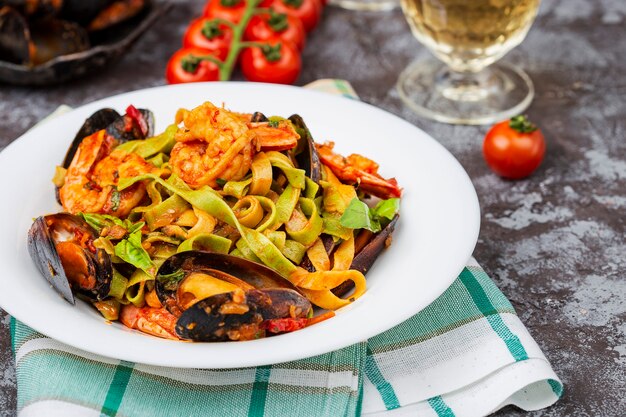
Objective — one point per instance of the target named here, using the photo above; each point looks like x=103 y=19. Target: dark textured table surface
x=555 y=243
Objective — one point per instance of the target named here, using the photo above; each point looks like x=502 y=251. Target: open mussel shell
x=107 y=46
x=43 y=252
x=15 y=44
x=232 y=315
x=52 y=38
x=35 y=9
x=306 y=153
x=222 y=297
x=97 y=121
x=61 y=246
x=124 y=129
x=213 y=319
x=33 y=43
x=275 y=303
x=182 y=265
x=366 y=257
x=115 y=124
x=258 y=117
x=329 y=246
x=115 y=13
x=83 y=11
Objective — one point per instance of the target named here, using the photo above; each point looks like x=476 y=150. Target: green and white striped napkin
x=467 y=354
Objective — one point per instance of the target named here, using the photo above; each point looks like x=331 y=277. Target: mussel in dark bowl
x=47 y=57
x=219 y=297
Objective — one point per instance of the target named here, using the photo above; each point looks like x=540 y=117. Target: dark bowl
x=108 y=47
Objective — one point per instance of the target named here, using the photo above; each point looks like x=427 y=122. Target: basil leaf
x=131 y=251
x=100 y=221
x=358 y=216
x=132 y=228
x=387 y=208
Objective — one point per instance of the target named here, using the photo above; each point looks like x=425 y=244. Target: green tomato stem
x=227 y=67
x=225 y=22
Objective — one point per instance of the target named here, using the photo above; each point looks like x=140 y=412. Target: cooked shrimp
x=91 y=181
x=274 y=136
x=212 y=143
x=155 y=321
x=358 y=169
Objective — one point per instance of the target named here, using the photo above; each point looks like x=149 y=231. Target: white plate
x=434 y=237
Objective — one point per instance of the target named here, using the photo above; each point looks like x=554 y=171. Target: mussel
x=97 y=121
x=367 y=251
x=123 y=128
x=33 y=32
x=368 y=247
x=61 y=246
x=51 y=38
x=36 y=8
x=372 y=247
x=82 y=11
x=117 y=12
x=33 y=43
x=14 y=37
x=219 y=297
x=305 y=153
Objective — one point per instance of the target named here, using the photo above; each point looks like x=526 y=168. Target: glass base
x=366 y=5
x=434 y=91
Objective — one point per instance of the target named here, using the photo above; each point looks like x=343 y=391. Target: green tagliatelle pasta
x=217 y=181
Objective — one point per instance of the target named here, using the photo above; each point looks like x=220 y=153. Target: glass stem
x=464 y=86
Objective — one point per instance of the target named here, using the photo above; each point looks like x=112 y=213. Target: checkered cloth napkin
x=467 y=354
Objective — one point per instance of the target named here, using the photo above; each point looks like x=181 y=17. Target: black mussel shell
x=35 y=9
x=258 y=117
x=329 y=245
x=120 y=127
x=206 y=320
x=124 y=129
x=43 y=253
x=214 y=318
x=82 y=11
x=91 y=277
x=14 y=37
x=178 y=266
x=366 y=257
x=306 y=153
x=117 y=12
x=97 y=121
x=276 y=303
x=52 y=38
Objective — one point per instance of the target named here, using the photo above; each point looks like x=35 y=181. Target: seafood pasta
x=226 y=226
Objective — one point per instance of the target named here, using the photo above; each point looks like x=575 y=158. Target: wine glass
x=366 y=5
x=468 y=36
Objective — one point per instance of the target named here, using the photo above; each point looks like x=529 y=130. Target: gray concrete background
x=554 y=243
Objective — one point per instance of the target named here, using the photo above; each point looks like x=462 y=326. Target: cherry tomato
x=187 y=66
x=276 y=62
x=205 y=33
x=514 y=148
x=276 y=25
x=308 y=11
x=230 y=10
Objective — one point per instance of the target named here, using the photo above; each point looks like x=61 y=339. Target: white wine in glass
x=468 y=36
